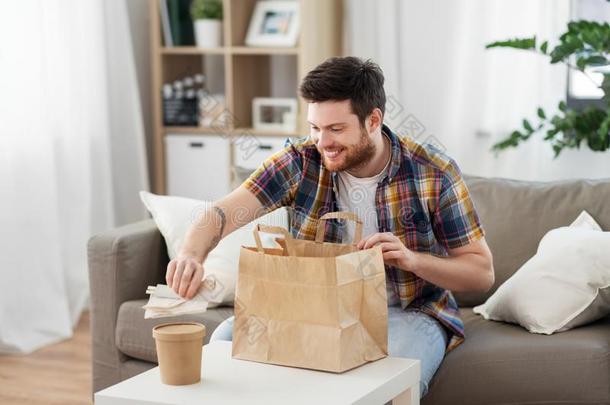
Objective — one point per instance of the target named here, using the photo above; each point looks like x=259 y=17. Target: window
x=583 y=88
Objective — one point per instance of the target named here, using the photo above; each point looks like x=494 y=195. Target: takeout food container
x=179 y=347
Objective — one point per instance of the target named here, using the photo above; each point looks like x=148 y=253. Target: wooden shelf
x=192 y=50
x=235 y=131
x=235 y=50
x=192 y=130
x=248 y=50
x=252 y=131
x=241 y=72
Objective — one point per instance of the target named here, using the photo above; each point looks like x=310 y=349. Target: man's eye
x=335 y=129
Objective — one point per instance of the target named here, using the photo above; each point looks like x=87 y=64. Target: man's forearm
x=467 y=272
x=205 y=234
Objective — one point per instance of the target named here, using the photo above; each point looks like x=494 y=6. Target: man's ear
x=375 y=120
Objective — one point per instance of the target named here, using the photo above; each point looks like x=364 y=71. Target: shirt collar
x=396 y=151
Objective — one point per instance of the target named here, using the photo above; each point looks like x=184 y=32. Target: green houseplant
x=207 y=22
x=586 y=44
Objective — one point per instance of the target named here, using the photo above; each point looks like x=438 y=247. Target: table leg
x=408 y=397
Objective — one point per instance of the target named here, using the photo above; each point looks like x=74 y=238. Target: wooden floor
x=57 y=374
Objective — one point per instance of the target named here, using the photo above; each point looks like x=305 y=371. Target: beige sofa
x=498 y=363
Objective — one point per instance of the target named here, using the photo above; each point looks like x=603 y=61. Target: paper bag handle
x=270 y=229
x=339 y=215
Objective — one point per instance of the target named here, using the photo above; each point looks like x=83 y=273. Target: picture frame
x=274 y=114
x=274 y=23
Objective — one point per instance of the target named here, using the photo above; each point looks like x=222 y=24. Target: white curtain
x=72 y=157
x=445 y=87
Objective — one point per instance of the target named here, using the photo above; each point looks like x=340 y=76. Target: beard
x=350 y=157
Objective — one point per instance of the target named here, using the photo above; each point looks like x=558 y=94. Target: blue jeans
x=411 y=334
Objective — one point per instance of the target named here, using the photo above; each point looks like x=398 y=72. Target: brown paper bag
x=311 y=304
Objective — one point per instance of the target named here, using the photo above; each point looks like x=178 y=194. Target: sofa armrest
x=122 y=262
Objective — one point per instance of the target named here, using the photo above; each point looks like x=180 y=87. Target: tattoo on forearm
x=223 y=222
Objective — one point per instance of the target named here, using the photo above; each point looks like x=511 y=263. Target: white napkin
x=165 y=302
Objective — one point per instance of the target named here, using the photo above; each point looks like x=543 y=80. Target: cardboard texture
x=179 y=347
x=311 y=304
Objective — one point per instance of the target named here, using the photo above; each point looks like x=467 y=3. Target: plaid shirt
x=423 y=200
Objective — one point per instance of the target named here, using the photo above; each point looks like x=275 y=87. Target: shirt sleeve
x=275 y=182
x=456 y=222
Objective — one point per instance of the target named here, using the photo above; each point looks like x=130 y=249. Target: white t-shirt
x=357 y=195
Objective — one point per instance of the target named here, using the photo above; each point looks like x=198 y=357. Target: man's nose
x=324 y=139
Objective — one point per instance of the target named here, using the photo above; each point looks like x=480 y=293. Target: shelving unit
x=247 y=72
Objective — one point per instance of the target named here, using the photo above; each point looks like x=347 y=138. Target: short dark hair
x=347 y=78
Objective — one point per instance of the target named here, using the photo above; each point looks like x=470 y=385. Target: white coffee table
x=230 y=381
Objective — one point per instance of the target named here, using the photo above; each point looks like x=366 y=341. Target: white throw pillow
x=564 y=285
x=174 y=216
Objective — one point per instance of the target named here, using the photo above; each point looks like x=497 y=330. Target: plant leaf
x=517 y=43
x=606 y=87
x=596 y=60
x=541 y=111
x=550 y=134
x=604 y=132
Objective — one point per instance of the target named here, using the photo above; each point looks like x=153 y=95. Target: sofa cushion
x=133 y=333
x=530 y=296
x=502 y=363
x=517 y=214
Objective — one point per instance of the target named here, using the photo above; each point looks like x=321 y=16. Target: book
x=165 y=26
x=180 y=22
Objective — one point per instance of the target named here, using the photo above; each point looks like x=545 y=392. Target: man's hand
x=395 y=253
x=467 y=268
x=184 y=275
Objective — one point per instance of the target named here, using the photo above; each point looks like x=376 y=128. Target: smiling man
x=411 y=199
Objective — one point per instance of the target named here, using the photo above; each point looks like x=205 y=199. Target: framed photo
x=274 y=114
x=274 y=23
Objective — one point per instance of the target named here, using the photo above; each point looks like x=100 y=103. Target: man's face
x=341 y=141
